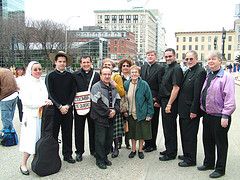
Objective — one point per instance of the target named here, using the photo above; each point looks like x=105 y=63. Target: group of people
x=142 y=92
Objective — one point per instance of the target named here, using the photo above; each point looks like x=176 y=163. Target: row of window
x=115 y=49
x=99 y=34
x=229 y=56
x=209 y=47
x=209 y=39
x=118 y=18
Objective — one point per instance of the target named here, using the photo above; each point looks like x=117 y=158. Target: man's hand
x=112 y=113
x=224 y=122
x=113 y=83
x=168 y=109
x=156 y=104
x=148 y=118
x=64 y=109
x=193 y=115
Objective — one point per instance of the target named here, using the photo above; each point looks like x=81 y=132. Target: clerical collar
x=151 y=64
x=215 y=72
x=192 y=68
x=61 y=71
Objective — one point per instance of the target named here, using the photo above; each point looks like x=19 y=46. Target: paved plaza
x=124 y=168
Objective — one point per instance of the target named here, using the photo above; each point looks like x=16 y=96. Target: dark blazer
x=189 y=95
x=154 y=78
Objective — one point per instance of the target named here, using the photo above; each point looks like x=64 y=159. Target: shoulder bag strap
x=90 y=83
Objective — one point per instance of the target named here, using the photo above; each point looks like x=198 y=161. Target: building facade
x=145 y=24
x=203 y=43
x=12 y=9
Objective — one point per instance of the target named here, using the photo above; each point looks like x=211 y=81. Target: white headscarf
x=29 y=68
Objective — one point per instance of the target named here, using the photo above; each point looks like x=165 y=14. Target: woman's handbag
x=124 y=104
x=82 y=100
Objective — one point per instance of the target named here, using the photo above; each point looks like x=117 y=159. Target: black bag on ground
x=47 y=160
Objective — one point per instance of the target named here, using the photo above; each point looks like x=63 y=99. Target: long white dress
x=33 y=94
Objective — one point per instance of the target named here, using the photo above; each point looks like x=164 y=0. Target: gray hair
x=215 y=54
x=194 y=53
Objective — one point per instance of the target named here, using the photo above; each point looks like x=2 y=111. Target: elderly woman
x=118 y=125
x=218 y=103
x=123 y=66
x=140 y=110
x=34 y=95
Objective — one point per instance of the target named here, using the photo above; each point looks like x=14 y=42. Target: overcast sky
x=178 y=15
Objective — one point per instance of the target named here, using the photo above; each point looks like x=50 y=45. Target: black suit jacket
x=154 y=78
x=189 y=95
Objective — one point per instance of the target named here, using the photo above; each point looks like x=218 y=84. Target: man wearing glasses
x=189 y=108
x=152 y=73
x=169 y=92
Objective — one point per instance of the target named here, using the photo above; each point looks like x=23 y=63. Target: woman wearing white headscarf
x=34 y=95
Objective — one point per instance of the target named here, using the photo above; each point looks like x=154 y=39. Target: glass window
x=121 y=19
x=190 y=39
x=238 y=46
x=196 y=47
x=114 y=19
x=115 y=49
x=184 y=39
x=177 y=48
x=99 y=16
x=202 y=47
x=115 y=42
x=229 y=47
x=183 y=47
x=107 y=18
x=183 y=55
x=229 y=38
x=239 y=29
x=190 y=47
x=109 y=49
x=128 y=18
x=209 y=47
x=177 y=39
x=229 y=56
x=202 y=56
x=202 y=38
x=177 y=56
x=122 y=49
x=209 y=39
x=196 y=39
x=135 y=18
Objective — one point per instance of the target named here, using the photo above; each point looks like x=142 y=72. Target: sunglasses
x=125 y=65
x=39 y=69
x=189 y=59
x=168 y=56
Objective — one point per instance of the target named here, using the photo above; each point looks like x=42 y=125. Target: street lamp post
x=215 y=43
x=223 y=40
x=66 y=32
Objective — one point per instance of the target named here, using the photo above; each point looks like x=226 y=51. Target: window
x=229 y=38
x=121 y=19
x=135 y=18
x=107 y=18
x=122 y=41
x=114 y=19
x=202 y=47
x=177 y=56
x=238 y=46
x=196 y=47
x=183 y=47
x=128 y=18
x=190 y=39
x=122 y=49
x=209 y=47
x=229 y=47
x=177 y=39
x=115 y=49
x=239 y=29
x=99 y=21
x=109 y=49
x=202 y=38
x=177 y=48
x=115 y=42
x=238 y=38
x=202 y=56
x=99 y=16
x=183 y=55
x=196 y=39
x=184 y=39
x=229 y=56
x=209 y=39
x=190 y=47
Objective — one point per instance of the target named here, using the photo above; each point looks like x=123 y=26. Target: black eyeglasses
x=168 y=56
x=39 y=69
x=189 y=59
x=125 y=65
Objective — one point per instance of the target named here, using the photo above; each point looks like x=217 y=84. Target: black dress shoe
x=216 y=174
x=24 y=172
x=181 y=157
x=163 y=152
x=150 y=149
x=69 y=160
x=115 y=154
x=119 y=145
x=140 y=155
x=101 y=165
x=128 y=146
x=204 y=168
x=93 y=153
x=144 y=147
x=185 y=164
x=108 y=163
x=132 y=154
x=166 y=158
x=79 y=157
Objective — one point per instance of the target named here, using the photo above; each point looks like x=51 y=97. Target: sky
x=178 y=15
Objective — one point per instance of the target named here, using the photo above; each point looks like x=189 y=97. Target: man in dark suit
x=152 y=73
x=189 y=108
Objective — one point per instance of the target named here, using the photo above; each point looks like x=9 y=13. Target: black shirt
x=172 y=76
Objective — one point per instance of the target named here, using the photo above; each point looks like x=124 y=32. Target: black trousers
x=66 y=123
x=79 y=126
x=103 y=142
x=170 y=127
x=189 y=131
x=214 y=135
x=154 y=124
